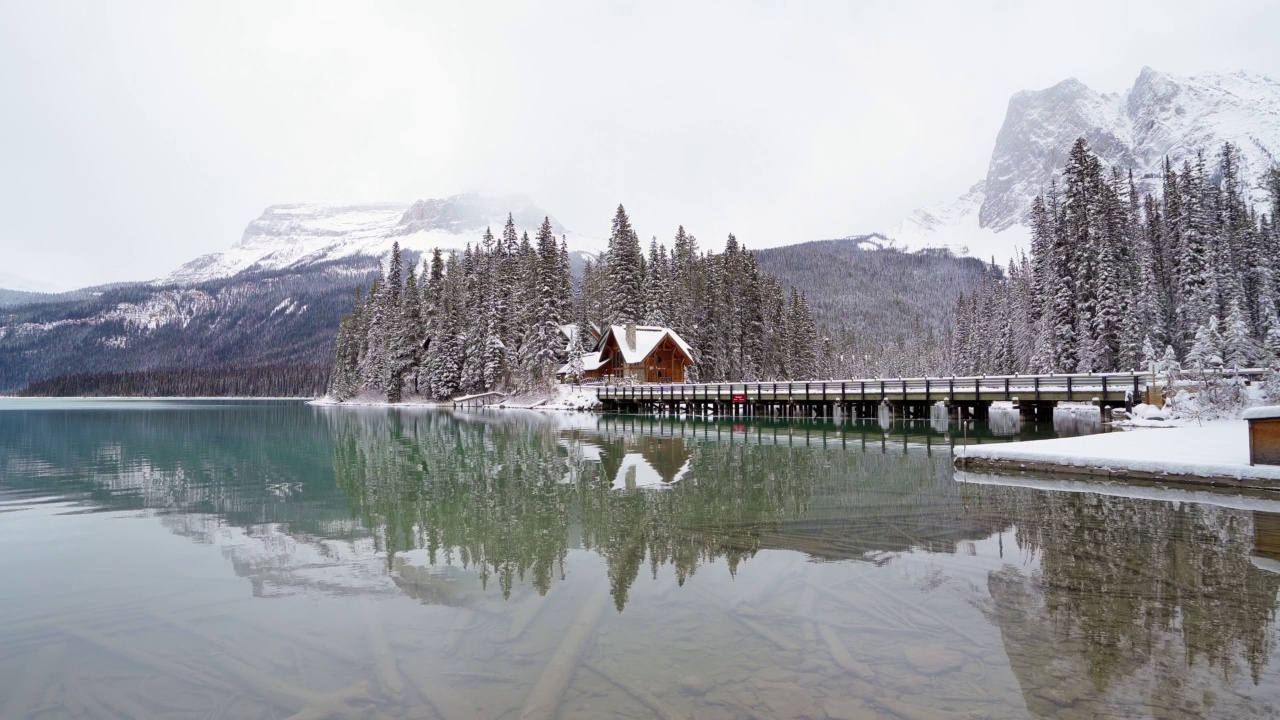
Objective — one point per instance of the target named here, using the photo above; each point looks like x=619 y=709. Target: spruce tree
x=625 y=273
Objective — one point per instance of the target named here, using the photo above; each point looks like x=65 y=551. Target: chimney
x=631 y=335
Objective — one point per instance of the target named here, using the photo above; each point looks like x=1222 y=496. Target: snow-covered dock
x=1216 y=453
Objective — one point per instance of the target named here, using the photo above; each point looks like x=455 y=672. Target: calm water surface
x=272 y=560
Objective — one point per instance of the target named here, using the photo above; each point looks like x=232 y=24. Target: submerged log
x=841 y=655
x=640 y=695
x=384 y=661
x=34 y=681
x=427 y=676
x=463 y=621
x=544 y=699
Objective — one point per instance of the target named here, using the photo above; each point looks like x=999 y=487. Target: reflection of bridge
x=900 y=434
x=1036 y=395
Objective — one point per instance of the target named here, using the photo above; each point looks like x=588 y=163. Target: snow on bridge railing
x=1112 y=383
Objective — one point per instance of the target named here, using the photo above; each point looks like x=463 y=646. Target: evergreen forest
x=1121 y=280
x=491 y=317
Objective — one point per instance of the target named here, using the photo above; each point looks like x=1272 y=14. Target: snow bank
x=1215 y=450
x=573 y=397
x=1237 y=501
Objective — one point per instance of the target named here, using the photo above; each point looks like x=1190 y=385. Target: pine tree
x=1271 y=346
x=409 y=355
x=1206 y=350
x=625 y=273
x=1238 y=347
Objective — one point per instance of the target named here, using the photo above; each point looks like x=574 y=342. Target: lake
x=228 y=559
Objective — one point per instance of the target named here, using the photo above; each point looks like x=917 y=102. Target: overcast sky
x=138 y=135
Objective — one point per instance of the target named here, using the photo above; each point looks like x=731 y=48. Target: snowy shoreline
x=153 y=398
x=565 y=398
x=1216 y=453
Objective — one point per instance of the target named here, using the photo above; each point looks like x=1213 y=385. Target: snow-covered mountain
x=294 y=237
x=1161 y=115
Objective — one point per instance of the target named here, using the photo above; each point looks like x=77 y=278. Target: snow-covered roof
x=647 y=338
x=1265 y=412
x=590 y=361
x=637 y=472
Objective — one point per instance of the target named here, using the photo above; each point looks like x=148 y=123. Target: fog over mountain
x=1161 y=115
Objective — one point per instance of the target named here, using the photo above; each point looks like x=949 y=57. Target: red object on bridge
x=739 y=397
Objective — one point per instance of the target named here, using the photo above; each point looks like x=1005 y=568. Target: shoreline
x=298 y=398
x=1214 y=454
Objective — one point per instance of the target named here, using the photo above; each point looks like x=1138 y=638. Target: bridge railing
x=1075 y=386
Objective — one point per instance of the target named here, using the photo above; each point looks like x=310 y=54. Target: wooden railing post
x=1068 y=388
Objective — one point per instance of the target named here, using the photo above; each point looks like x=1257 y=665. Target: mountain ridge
x=1160 y=115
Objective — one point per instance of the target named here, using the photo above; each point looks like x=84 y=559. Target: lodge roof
x=647 y=338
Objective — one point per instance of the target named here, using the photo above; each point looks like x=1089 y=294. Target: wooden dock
x=479 y=400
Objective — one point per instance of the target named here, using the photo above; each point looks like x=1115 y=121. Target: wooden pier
x=1034 y=395
x=479 y=400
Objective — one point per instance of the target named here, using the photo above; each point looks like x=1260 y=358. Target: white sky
x=135 y=136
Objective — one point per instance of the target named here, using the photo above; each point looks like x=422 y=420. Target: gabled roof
x=647 y=338
x=590 y=361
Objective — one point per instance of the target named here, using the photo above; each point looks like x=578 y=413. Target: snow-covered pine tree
x=624 y=272
x=375 y=367
x=410 y=347
x=1271 y=345
x=546 y=344
x=1238 y=347
x=657 y=290
x=1206 y=350
x=1198 y=278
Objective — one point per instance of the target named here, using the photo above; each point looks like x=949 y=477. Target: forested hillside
x=254 y=320
x=886 y=312
x=260 y=381
x=1117 y=281
x=490 y=317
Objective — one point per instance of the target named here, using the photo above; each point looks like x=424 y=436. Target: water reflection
x=1073 y=420
x=799 y=570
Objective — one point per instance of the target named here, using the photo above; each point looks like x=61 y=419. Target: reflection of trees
x=1123 y=581
x=506 y=494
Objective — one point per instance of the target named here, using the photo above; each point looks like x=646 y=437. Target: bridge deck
x=1108 y=387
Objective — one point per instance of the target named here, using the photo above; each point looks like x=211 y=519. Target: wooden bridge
x=1034 y=395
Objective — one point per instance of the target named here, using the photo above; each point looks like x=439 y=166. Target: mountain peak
x=1160 y=115
x=472 y=213
x=294 y=236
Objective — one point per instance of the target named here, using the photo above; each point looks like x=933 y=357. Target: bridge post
x=1069 y=396
x=1104 y=390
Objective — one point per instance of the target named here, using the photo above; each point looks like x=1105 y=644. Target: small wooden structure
x=1264 y=435
x=636 y=353
x=479 y=400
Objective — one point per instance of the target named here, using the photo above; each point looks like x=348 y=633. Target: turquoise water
x=219 y=559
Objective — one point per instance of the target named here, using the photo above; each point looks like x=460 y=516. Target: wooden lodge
x=635 y=353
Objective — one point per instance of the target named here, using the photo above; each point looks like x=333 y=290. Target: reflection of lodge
x=645 y=461
x=644 y=353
